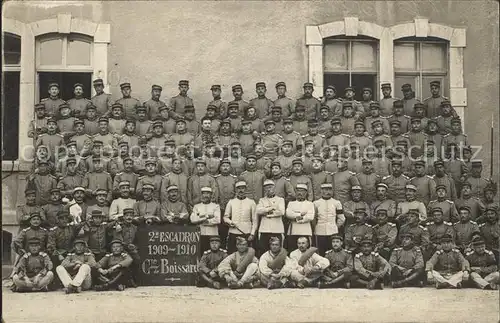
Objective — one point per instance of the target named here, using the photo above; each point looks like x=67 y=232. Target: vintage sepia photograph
x=250 y=161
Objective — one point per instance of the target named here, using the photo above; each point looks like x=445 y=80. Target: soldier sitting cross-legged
x=113 y=269
x=208 y=274
x=275 y=266
x=75 y=271
x=338 y=274
x=407 y=264
x=310 y=265
x=240 y=269
x=370 y=268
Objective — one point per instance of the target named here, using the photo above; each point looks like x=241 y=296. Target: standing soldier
x=78 y=104
x=417 y=137
x=465 y=229
x=368 y=181
x=129 y=103
x=329 y=218
x=338 y=274
x=39 y=124
x=271 y=140
x=333 y=103
x=298 y=176
x=456 y=136
x=179 y=102
x=370 y=268
x=283 y=187
x=483 y=266
x=178 y=177
x=207 y=215
x=426 y=186
x=375 y=117
x=126 y=175
x=356 y=202
x=446 y=115
x=396 y=182
x=270 y=209
x=102 y=101
x=208 y=273
x=408 y=99
x=289 y=134
x=433 y=104
x=199 y=180
x=475 y=205
x=43 y=182
x=51 y=139
x=53 y=102
x=300 y=121
x=387 y=102
x=153 y=105
x=34 y=270
x=219 y=105
x=490 y=230
x=91 y=122
x=226 y=186
x=261 y=103
x=300 y=213
x=358 y=231
x=441 y=178
x=478 y=183
x=407 y=264
x=446 y=206
x=383 y=203
x=240 y=269
x=318 y=176
x=349 y=97
x=343 y=181
x=437 y=229
x=238 y=98
x=75 y=271
x=151 y=177
x=108 y=140
x=433 y=135
x=241 y=217
x=287 y=105
x=410 y=203
x=307 y=100
x=384 y=234
x=366 y=93
x=447 y=267
x=398 y=115
x=143 y=126
x=254 y=179
x=334 y=136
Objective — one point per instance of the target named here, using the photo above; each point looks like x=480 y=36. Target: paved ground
x=190 y=304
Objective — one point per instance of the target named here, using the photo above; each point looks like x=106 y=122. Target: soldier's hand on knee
x=213 y=274
x=430 y=277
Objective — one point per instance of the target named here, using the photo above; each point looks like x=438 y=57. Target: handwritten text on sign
x=169 y=254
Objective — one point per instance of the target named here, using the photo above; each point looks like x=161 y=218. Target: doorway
x=66 y=80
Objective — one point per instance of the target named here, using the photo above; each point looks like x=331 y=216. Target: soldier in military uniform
x=283 y=187
x=417 y=137
x=384 y=234
x=153 y=105
x=448 y=207
x=396 y=134
x=339 y=272
x=271 y=140
x=60 y=238
x=299 y=176
x=91 y=122
x=383 y=202
x=20 y=244
x=358 y=231
x=148 y=209
x=207 y=215
x=446 y=115
x=398 y=115
x=75 y=271
x=437 y=228
x=261 y=103
x=334 y=136
x=97 y=234
x=300 y=214
x=114 y=268
x=307 y=100
x=51 y=139
x=368 y=180
x=24 y=212
x=478 y=183
x=289 y=134
x=456 y=136
x=447 y=268
x=375 y=116
x=408 y=99
x=82 y=141
x=33 y=272
x=333 y=103
x=343 y=181
x=173 y=209
x=129 y=103
x=39 y=124
x=287 y=104
x=475 y=205
x=65 y=123
x=238 y=98
x=151 y=177
x=483 y=266
x=271 y=210
x=102 y=101
x=490 y=230
x=208 y=274
x=407 y=264
x=300 y=120
x=433 y=104
x=53 y=102
x=240 y=269
x=356 y=202
x=465 y=229
x=254 y=178
x=425 y=184
x=410 y=203
x=198 y=180
x=78 y=104
x=420 y=233
x=124 y=201
x=370 y=268
x=387 y=102
x=219 y=105
x=97 y=179
x=348 y=118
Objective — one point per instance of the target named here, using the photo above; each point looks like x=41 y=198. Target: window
x=56 y=52
x=11 y=78
x=351 y=62
x=65 y=81
x=419 y=62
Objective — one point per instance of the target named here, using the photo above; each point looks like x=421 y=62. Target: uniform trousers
x=83 y=277
x=310 y=278
x=482 y=282
x=34 y=283
x=250 y=274
x=112 y=280
x=398 y=275
x=452 y=279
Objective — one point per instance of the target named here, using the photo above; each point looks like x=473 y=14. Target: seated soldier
x=75 y=270
x=483 y=266
x=113 y=269
x=208 y=274
x=407 y=264
x=20 y=244
x=447 y=268
x=384 y=234
x=370 y=268
x=275 y=266
x=358 y=231
x=310 y=265
x=338 y=274
x=240 y=269
x=33 y=272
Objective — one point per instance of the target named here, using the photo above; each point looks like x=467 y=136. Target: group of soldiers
x=367 y=193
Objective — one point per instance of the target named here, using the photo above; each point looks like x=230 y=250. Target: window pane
x=12 y=49
x=10 y=115
x=405 y=57
x=434 y=57
x=340 y=81
x=399 y=80
x=364 y=56
x=51 y=52
x=335 y=56
x=426 y=87
x=79 y=51
x=360 y=81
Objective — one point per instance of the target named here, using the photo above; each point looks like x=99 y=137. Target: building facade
x=344 y=43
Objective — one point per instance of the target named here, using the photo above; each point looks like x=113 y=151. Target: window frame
x=10 y=67
x=64 y=67
x=419 y=74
